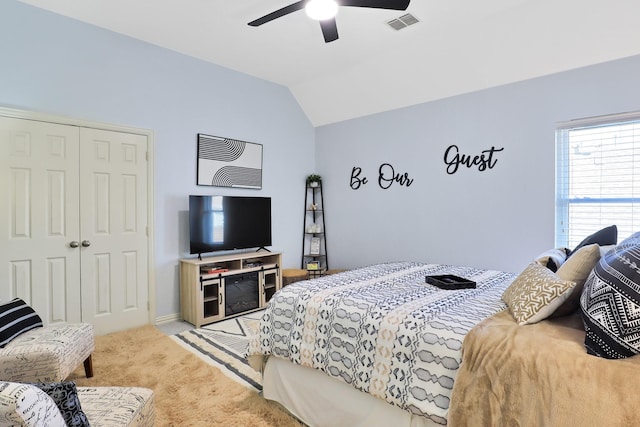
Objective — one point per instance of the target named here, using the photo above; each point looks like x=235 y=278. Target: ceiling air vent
x=403 y=21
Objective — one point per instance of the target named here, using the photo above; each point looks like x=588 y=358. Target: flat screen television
x=219 y=223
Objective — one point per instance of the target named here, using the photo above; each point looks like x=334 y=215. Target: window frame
x=563 y=201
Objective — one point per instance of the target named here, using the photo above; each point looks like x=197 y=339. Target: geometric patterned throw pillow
x=610 y=303
x=535 y=294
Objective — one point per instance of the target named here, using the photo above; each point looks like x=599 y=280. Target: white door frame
x=64 y=120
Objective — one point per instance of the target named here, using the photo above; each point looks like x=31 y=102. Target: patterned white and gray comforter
x=382 y=329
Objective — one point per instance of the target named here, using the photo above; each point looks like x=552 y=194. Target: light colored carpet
x=223 y=345
x=188 y=391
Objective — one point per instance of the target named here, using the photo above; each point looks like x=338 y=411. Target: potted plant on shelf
x=313 y=180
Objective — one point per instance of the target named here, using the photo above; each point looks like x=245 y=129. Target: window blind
x=597 y=177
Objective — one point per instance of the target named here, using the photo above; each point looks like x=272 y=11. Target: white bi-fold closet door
x=74 y=226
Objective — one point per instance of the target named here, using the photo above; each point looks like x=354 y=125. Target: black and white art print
x=225 y=162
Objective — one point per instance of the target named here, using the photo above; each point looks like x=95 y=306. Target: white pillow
x=553 y=258
x=605 y=249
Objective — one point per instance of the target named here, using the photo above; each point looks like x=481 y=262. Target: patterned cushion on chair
x=610 y=303
x=46 y=355
x=117 y=406
x=27 y=405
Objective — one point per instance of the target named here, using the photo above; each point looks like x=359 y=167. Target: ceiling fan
x=328 y=22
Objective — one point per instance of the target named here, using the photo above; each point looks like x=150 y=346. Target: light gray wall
x=56 y=65
x=499 y=218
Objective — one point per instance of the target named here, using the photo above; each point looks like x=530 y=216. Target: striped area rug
x=223 y=345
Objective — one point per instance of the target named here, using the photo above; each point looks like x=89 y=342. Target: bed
x=576 y=367
x=378 y=337
x=540 y=375
x=557 y=344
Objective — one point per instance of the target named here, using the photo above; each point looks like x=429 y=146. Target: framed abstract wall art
x=226 y=162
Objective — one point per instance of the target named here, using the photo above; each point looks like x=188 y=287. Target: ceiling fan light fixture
x=321 y=9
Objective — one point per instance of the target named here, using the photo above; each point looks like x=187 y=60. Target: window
x=597 y=177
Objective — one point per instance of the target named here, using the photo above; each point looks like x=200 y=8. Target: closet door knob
x=86 y=243
x=73 y=244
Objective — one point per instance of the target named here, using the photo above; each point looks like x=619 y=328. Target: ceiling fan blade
x=329 y=30
x=279 y=13
x=378 y=4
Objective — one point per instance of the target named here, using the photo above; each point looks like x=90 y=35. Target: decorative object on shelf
x=225 y=162
x=314 y=180
x=314 y=228
x=213 y=270
x=315 y=246
x=313 y=265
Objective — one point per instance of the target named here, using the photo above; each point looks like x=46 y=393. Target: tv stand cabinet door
x=269 y=284
x=200 y=301
x=211 y=300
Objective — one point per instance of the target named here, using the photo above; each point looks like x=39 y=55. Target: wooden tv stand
x=218 y=287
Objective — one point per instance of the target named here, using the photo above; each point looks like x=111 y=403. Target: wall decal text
x=484 y=161
x=387 y=176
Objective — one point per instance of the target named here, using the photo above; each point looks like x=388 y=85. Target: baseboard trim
x=168 y=318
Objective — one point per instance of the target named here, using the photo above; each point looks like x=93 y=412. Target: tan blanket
x=540 y=375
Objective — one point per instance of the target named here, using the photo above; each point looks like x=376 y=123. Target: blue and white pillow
x=16 y=317
x=610 y=303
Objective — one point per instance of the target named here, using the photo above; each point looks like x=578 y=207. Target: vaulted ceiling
x=458 y=46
